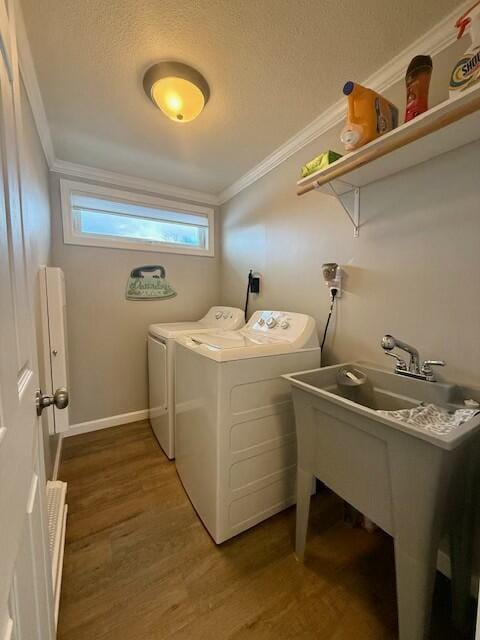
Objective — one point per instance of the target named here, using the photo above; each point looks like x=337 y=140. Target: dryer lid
x=173 y=329
x=229 y=318
x=216 y=318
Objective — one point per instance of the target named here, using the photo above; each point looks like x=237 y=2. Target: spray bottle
x=466 y=72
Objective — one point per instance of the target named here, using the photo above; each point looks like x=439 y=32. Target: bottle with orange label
x=369 y=115
x=417 y=80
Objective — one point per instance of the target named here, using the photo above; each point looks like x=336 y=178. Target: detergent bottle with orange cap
x=369 y=115
x=466 y=72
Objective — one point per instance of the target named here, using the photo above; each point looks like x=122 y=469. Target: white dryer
x=161 y=366
x=235 y=426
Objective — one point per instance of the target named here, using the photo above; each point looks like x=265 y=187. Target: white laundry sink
x=413 y=482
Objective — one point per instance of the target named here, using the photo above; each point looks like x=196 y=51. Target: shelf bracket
x=352 y=209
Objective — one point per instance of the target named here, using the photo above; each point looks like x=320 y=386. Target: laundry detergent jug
x=369 y=115
x=467 y=70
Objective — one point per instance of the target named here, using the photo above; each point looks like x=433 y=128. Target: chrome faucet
x=413 y=369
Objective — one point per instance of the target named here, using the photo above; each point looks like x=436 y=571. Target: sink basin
x=388 y=391
x=373 y=398
x=411 y=481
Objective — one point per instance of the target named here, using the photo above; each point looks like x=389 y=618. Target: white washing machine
x=161 y=367
x=235 y=426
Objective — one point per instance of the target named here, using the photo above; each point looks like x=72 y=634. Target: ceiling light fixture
x=178 y=90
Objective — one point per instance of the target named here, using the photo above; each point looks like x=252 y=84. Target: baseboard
x=443 y=565
x=58 y=458
x=105 y=423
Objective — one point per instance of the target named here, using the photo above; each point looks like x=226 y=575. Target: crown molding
x=72 y=169
x=29 y=76
x=433 y=42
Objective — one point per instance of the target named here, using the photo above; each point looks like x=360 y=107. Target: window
x=103 y=217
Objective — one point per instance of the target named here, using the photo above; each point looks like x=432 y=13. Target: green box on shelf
x=320 y=162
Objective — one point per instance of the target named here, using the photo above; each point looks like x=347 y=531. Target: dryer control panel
x=284 y=325
x=223 y=318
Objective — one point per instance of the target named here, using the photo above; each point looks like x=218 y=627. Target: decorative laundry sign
x=149 y=283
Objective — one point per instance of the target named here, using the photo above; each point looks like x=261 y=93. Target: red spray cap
x=464 y=21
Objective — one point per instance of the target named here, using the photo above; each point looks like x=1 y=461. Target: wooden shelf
x=447 y=126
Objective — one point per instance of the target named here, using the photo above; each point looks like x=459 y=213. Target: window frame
x=72 y=236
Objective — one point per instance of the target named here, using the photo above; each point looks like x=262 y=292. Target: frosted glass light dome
x=178 y=90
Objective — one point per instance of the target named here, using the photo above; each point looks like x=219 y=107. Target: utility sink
x=382 y=390
x=414 y=483
x=373 y=398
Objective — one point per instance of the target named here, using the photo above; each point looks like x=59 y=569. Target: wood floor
x=140 y=566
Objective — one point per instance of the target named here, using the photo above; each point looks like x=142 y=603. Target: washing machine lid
x=235 y=340
x=267 y=333
x=223 y=348
x=217 y=318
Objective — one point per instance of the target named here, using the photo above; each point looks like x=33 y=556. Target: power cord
x=333 y=293
x=249 y=285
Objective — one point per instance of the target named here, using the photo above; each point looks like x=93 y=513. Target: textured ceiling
x=272 y=65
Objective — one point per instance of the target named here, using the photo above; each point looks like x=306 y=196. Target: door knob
x=59 y=399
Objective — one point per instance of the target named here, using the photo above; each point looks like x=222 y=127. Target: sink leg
x=420 y=489
x=415 y=584
x=461 y=554
x=461 y=541
x=304 y=490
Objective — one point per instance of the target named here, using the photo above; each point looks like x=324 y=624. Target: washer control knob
x=261 y=322
x=271 y=322
x=218 y=315
x=284 y=324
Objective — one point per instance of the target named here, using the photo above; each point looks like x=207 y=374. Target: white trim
x=132 y=197
x=32 y=496
x=30 y=80
x=69 y=187
x=27 y=71
x=432 y=42
x=477 y=632
x=445 y=567
x=60 y=564
x=8 y=631
x=6 y=45
x=106 y=423
x=72 y=169
x=47 y=366
x=58 y=458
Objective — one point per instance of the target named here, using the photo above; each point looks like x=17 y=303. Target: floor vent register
x=57 y=520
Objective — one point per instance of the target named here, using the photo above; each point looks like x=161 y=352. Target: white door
x=158 y=381
x=54 y=325
x=26 y=611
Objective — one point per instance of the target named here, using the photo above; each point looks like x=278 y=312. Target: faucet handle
x=428 y=364
x=401 y=364
x=427 y=368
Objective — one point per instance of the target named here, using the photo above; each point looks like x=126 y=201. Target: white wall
x=410 y=272
x=413 y=272
x=106 y=332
